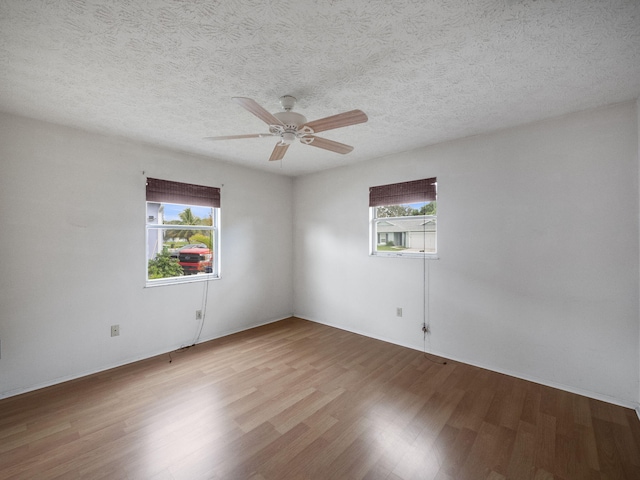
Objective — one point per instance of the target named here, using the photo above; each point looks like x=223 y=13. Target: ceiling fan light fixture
x=288 y=138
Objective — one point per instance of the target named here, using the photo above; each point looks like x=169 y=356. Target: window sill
x=426 y=256
x=179 y=280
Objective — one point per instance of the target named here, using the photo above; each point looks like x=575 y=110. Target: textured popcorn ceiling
x=164 y=71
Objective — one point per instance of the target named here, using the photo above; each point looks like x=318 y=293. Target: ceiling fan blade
x=327 y=144
x=253 y=107
x=279 y=151
x=233 y=137
x=336 y=121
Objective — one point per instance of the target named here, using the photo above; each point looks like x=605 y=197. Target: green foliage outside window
x=164 y=266
x=405 y=210
x=187 y=218
x=200 y=238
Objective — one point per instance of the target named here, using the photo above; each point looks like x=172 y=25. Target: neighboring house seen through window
x=182 y=232
x=403 y=218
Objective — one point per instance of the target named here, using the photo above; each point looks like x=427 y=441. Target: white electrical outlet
x=399 y=312
x=115 y=330
x=198 y=314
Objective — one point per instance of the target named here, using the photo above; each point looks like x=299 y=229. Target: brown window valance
x=405 y=192
x=166 y=191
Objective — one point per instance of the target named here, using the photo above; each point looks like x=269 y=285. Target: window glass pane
x=407 y=209
x=197 y=257
x=175 y=214
x=406 y=235
x=405 y=229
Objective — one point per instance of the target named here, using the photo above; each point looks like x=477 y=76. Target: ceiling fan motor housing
x=290 y=128
x=291 y=120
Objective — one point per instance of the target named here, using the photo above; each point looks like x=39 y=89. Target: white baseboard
x=559 y=386
x=226 y=333
x=586 y=393
x=137 y=358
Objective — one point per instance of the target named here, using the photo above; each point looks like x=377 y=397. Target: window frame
x=163 y=192
x=404 y=193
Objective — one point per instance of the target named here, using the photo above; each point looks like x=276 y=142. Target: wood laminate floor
x=299 y=400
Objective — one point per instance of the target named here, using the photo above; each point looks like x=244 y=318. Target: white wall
x=638 y=126
x=72 y=210
x=538 y=243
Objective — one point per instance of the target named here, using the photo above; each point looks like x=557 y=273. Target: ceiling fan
x=289 y=126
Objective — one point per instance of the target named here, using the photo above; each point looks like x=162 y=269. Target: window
x=182 y=232
x=403 y=219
